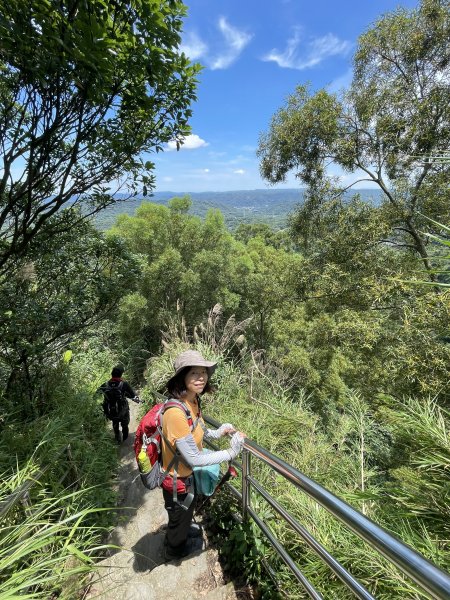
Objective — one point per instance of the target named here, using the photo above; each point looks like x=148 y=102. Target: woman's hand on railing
x=237 y=443
x=225 y=429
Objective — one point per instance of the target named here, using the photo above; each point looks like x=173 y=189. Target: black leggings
x=124 y=422
x=179 y=520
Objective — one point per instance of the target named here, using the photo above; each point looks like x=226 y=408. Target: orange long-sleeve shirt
x=176 y=426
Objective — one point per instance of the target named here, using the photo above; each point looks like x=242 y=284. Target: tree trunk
x=420 y=247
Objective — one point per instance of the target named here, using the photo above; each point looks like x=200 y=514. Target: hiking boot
x=192 y=545
x=195 y=530
x=195 y=544
x=175 y=553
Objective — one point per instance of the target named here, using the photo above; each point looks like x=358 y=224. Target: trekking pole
x=231 y=473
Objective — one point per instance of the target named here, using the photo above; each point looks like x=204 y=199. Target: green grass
x=47 y=549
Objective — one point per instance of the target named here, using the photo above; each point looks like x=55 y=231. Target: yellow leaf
x=67 y=356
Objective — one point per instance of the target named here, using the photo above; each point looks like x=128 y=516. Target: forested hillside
x=332 y=333
x=271 y=206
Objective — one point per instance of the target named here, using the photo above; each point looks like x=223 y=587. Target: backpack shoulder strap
x=174 y=403
x=110 y=385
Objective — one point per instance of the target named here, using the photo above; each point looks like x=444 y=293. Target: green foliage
x=244 y=232
x=420 y=462
x=107 y=82
x=395 y=112
x=440 y=257
x=189 y=265
x=240 y=545
x=180 y=204
x=73 y=282
x=396 y=69
x=269 y=283
x=373 y=352
x=333 y=317
x=50 y=549
x=72 y=416
x=298 y=134
x=67 y=526
x=132 y=317
x=355 y=324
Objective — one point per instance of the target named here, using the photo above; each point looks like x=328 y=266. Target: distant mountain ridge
x=271 y=206
x=252 y=195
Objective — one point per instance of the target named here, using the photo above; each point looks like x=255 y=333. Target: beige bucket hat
x=192 y=358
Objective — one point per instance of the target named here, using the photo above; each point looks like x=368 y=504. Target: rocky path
x=136 y=569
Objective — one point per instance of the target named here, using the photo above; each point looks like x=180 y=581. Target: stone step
x=123 y=576
x=224 y=592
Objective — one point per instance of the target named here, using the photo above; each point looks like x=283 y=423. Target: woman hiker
x=190 y=381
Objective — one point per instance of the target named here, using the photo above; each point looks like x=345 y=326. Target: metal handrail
x=428 y=576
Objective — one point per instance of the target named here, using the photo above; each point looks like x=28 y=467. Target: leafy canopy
x=382 y=130
x=74 y=282
x=106 y=82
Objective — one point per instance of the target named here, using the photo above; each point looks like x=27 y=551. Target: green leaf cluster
x=382 y=130
x=107 y=82
x=72 y=283
x=190 y=265
x=51 y=548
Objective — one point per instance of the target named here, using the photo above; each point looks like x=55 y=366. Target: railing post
x=245 y=483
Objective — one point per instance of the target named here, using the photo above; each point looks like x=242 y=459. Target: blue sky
x=254 y=54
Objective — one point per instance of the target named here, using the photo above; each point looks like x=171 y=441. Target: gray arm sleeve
x=191 y=455
x=212 y=434
x=215 y=434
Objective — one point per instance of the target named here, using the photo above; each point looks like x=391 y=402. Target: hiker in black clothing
x=115 y=403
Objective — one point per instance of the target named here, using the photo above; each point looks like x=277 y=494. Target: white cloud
x=167 y=179
x=190 y=142
x=193 y=46
x=205 y=170
x=226 y=51
x=317 y=50
x=239 y=171
x=236 y=41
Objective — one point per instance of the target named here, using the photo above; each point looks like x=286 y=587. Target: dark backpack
x=115 y=404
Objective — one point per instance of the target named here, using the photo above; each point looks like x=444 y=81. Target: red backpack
x=147 y=444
